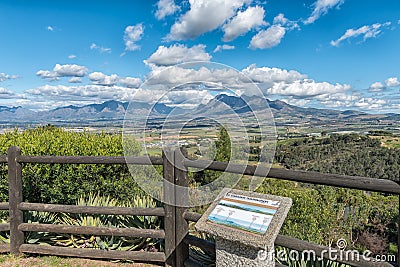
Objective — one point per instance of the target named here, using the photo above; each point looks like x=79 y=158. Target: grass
x=8 y=260
x=388 y=141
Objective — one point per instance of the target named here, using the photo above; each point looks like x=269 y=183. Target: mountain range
x=115 y=111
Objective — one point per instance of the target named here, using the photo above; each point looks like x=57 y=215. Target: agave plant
x=41 y=238
x=4 y=236
x=204 y=257
x=142 y=222
x=109 y=242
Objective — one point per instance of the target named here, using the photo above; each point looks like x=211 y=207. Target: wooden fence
x=176 y=219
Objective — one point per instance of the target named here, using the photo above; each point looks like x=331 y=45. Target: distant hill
x=115 y=110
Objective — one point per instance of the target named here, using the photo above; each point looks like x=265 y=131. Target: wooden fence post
x=169 y=207
x=15 y=198
x=182 y=201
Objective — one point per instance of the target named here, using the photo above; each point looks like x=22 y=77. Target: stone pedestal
x=245 y=225
x=231 y=253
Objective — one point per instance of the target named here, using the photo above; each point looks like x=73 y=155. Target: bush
x=64 y=183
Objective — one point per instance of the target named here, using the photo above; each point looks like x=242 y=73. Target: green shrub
x=64 y=183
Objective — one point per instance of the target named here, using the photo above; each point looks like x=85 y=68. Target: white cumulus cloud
x=5 y=93
x=321 y=7
x=367 y=31
x=290 y=83
x=72 y=56
x=48 y=75
x=132 y=35
x=306 y=88
x=177 y=53
x=167 y=77
x=268 y=38
x=243 y=22
x=337 y=100
x=280 y=19
x=376 y=87
x=269 y=76
x=204 y=16
x=130 y=82
x=370 y=103
x=392 y=82
x=100 y=78
x=4 y=77
x=89 y=92
x=67 y=70
x=70 y=70
x=166 y=8
x=75 y=80
x=223 y=47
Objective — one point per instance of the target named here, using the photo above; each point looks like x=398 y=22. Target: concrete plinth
x=235 y=254
x=245 y=225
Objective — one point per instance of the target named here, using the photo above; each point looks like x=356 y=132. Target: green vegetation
x=65 y=183
x=91 y=241
x=325 y=214
x=223 y=146
x=349 y=154
x=222 y=153
x=319 y=214
x=388 y=141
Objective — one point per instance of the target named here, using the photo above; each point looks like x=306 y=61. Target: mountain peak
x=232 y=101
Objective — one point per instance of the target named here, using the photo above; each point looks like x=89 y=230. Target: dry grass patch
x=53 y=261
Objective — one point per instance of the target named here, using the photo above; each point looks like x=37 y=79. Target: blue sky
x=340 y=54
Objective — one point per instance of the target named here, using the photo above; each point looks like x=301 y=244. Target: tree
x=223 y=146
x=222 y=153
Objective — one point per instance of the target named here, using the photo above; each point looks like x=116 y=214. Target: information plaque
x=250 y=218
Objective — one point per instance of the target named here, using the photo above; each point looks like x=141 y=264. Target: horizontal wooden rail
x=207 y=246
x=191 y=216
x=91 y=230
x=92 y=209
x=4 y=248
x=90 y=160
x=4 y=206
x=345 y=181
x=296 y=244
x=300 y=245
x=4 y=227
x=94 y=253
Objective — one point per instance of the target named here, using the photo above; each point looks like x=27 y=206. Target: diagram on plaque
x=244 y=213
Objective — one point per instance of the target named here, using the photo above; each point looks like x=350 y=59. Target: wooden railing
x=343 y=181
x=16 y=207
x=176 y=219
